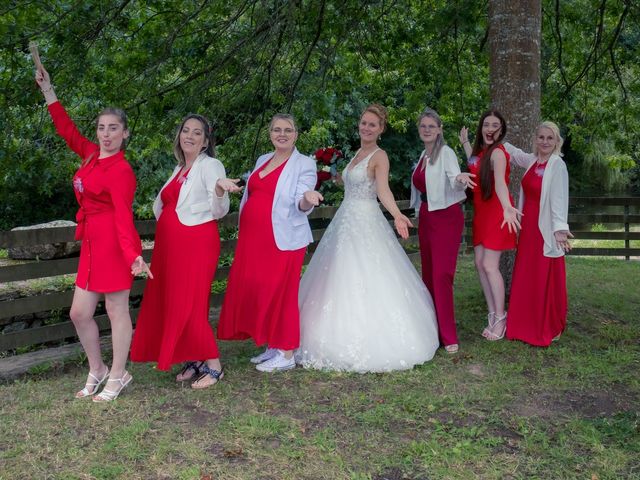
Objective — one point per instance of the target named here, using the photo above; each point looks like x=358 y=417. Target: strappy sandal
x=501 y=325
x=453 y=348
x=92 y=385
x=107 y=395
x=208 y=372
x=194 y=366
x=491 y=321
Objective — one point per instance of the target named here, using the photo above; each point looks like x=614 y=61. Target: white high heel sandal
x=107 y=395
x=92 y=385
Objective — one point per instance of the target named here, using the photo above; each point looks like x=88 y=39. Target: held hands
x=562 y=239
x=465 y=179
x=140 y=267
x=402 y=224
x=511 y=218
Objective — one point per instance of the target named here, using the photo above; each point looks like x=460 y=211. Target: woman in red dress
x=261 y=300
x=538 y=301
x=111 y=250
x=173 y=324
x=437 y=192
x=493 y=210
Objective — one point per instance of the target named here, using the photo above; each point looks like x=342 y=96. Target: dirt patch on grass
x=586 y=404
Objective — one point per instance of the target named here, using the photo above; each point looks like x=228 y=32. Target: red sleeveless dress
x=173 y=323
x=487 y=214
x=261 y=300
x=538 y=301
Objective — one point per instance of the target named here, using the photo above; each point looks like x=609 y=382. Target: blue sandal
x=208 y=372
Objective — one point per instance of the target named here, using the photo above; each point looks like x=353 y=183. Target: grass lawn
x=501 y=410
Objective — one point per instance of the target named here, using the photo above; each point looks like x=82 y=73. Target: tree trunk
x=515 y=32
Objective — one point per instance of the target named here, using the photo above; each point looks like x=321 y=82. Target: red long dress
x=104 y=189
x=261 y=300
x=538 y=302
x=487 y=214
x=173 y=324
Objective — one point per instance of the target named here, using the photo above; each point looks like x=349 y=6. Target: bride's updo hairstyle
x=380 y=112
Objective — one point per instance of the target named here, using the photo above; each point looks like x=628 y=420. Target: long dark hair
x=486 y=167
x=208 y=135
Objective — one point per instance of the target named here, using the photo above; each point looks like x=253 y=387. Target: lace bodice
x=357 y=183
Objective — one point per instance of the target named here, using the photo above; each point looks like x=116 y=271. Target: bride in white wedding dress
x=363 y=306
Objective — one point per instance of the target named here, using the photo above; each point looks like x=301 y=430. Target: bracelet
x=466 y=141
x=48 y=89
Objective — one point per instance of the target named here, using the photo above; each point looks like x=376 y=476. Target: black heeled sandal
x=208 y=372
x=195 y=366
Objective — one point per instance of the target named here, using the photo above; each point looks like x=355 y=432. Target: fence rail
x=24 y=309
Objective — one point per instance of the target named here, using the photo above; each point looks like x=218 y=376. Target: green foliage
x=239 y=61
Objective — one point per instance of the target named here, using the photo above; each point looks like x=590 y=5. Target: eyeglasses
x=280 y=131
x=429 y=127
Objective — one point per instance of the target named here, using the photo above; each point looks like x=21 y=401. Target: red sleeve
x=68 y=130
x=122 y=190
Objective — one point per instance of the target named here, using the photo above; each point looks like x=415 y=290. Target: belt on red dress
x=81 y=218
x=423 y=197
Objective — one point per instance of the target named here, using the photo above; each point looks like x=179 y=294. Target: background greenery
x=239 y=61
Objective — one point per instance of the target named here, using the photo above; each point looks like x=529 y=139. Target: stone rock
x=45 y=251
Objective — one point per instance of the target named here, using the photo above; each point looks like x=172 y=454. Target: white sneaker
x=277 y=364
x=268 y=354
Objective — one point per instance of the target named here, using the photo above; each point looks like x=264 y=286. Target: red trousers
x=440 y=234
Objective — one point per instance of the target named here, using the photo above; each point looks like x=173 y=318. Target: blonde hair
x=283 y=116
x=556 y=133
x=439 y=143
x=380 y=112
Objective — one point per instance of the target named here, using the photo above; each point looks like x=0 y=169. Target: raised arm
x=380 y=165
x=63 y=123
x=519 y=157
x=464 y=141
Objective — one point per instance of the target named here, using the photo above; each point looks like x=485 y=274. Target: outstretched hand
x=465 y=179
x=312 y=197
x=511 y=217
x=403 y=224
x=562 y=239
x=229 y=185
x=140 y=267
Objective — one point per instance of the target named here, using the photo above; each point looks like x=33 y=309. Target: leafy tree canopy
x=240 y=61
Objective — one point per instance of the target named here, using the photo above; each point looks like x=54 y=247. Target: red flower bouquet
x=327 y=159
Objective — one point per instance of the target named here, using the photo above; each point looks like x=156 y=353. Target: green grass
x=501 y=410
x=598 y=227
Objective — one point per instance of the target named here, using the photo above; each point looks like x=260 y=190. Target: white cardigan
x=554 y=198
x=442 y=188
x=291 y=228
x=198 y=202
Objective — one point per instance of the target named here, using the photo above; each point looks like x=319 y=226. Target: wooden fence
x=24 y=310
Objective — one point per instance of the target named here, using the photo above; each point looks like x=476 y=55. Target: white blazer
x=554 y=198
x=198 y=202
x=442 y=188
x=291 y=228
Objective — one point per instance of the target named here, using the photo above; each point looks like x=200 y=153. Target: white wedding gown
x=363 y=307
